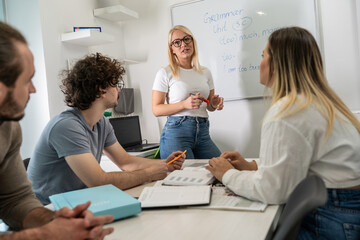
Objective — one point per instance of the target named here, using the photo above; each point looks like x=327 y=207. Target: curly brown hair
x=89 y=78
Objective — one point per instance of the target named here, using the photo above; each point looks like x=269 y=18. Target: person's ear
x=102 y=92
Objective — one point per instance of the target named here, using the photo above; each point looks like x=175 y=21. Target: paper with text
x=166 y=196
x=223 y=198
x=189 y=178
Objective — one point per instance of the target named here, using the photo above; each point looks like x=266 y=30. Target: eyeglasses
x=120 y=84
x=177 y=42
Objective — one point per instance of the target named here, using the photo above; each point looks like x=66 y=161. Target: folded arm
x=159 y=107
x=283 y=164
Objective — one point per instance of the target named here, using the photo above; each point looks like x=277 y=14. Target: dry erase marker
x=202 y=99
x=176 y=157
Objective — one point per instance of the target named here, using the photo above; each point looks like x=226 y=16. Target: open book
x=223 y=198
x=166 y=196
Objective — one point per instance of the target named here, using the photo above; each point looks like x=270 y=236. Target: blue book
x=105 y=200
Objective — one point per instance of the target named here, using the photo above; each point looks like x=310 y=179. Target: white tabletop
x=193 y=223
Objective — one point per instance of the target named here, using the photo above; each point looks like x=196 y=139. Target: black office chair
x=26 y=162
x=309 y=194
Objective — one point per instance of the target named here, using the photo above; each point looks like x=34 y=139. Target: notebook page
x=174 y=196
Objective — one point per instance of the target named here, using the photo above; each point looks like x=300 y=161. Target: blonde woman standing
x=307 y=130
x=188 y=89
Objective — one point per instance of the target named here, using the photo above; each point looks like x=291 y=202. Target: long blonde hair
x=173 y=61
x=297 y=70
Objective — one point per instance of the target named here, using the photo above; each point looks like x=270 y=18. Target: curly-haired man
x=19 y=208
x=68 y=153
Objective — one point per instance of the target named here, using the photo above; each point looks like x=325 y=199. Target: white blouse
x=294 y=147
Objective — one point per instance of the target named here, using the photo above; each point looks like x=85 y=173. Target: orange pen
x=176 y=157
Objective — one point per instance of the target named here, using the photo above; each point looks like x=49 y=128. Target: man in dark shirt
x=18 y=206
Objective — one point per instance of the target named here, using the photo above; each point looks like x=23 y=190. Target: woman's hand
x=217 y=102
x=232 y=155
x=218 y=167
x=193 y=101
x=239 y=161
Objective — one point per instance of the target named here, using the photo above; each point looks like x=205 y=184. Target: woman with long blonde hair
x=188 y=89
x=307 y=130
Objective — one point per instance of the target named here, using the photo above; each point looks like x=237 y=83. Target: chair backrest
x=309 y=194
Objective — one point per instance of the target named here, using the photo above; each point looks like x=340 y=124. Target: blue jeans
x=338 y=219
x=188 y=133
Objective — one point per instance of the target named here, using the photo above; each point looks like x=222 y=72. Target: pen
x=176 y=157
x=202 y=99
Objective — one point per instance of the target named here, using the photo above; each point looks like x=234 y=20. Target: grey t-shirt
x=66 y=134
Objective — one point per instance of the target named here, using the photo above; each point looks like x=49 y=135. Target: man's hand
x=157 y=171
x=76 y=228
x=77 y=223
x=79 y=211
x=176 y=165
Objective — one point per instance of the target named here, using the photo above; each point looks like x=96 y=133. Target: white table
x=192 y=223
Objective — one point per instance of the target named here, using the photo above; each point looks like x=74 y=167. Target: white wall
x=341 y=45
x=24 y=15
x=237 y=127
x=2 y=12
x=357 y=10
x=59 y=17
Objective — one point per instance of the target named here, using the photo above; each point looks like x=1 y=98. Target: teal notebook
x=105 y=200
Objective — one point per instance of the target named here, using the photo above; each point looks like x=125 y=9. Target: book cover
x=105 y=200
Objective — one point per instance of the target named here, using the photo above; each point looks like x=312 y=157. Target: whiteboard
x=231 y=35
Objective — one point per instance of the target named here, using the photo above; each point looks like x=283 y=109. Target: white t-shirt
x=178 y=89
x=292 y=148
